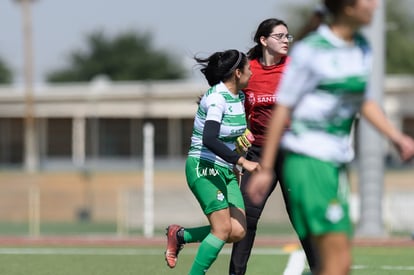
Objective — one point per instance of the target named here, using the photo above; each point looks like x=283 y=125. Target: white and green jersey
x=220 y=105
x=325 y=85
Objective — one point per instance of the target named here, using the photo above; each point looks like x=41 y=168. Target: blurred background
x=79 y=80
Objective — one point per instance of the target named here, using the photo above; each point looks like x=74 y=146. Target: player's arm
x=373 y=113
x=211 y=141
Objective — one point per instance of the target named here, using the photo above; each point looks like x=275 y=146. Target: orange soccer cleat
x=173 y=244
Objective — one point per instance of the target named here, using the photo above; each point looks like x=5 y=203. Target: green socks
x=209 y=248
x=197 y=234
x=207 y=253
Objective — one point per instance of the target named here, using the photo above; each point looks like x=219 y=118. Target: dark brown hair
x=265 y=28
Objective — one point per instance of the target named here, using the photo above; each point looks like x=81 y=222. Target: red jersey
x=261 y=96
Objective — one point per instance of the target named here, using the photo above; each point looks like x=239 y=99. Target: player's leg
x=219 y=196
x=212 y=244
x=237 y=210
x=319 y=207
x=205 y=189
x=241 y=250
x=177 y=236
x=227 y=225
x=308 y=245
x=335 y=251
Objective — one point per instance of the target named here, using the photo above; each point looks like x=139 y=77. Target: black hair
x=329 y=7
x=336 y=7
x=220 y=65
x=265 y=28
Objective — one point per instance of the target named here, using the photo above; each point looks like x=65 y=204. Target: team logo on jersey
x=220 y=195
x=251 y=99
x=334 y=212
x=230 y=109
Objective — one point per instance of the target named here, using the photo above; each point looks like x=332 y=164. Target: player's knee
x=223 y=231
x=237 y=234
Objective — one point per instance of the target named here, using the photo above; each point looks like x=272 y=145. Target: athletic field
x=68 y=246
x=109 y=256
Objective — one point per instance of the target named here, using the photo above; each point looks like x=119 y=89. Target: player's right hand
x=405 y=146
x=251 y=166
x=258 y=186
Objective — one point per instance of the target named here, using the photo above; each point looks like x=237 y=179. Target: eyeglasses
x=281 y=36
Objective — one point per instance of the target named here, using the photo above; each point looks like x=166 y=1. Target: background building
x=90 y=155
x=101 y=121
x=98 y=121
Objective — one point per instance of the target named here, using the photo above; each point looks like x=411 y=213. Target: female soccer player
x=219 y=121
x=268 y=59
x=324 y=87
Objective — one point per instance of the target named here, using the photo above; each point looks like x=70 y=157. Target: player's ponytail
x=318 y=16
x=329 y=8
x=220 y=66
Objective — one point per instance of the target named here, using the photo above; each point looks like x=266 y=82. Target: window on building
x=187 y=130
x=408 y=126
x=11 y=141
x=59 y=137
x=108 y=137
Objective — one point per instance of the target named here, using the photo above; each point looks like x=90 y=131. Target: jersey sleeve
x=215 y=105
x=370 y=93
x=299 y=78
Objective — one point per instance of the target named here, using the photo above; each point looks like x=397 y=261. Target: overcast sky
x=183 y=27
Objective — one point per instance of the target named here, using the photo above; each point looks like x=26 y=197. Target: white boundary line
x=296 y=263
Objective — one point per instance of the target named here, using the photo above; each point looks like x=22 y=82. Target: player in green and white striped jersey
x=220 y=105
x=219 y=121
x=324 y=87
x=330 y=75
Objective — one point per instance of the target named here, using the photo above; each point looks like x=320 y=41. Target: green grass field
x=149 y=260
x=83 y=259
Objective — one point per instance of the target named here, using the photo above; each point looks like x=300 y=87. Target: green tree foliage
x=5 y=73
x=399 y=38
x=128 y=56
x=399 y=32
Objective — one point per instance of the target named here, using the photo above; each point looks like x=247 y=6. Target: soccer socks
x=208 y=250
x=197 y=234
x=207 y=253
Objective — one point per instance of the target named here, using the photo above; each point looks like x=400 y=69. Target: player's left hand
x=244 y=142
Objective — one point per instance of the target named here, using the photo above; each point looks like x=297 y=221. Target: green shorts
x=215 y=187
x=318 y=195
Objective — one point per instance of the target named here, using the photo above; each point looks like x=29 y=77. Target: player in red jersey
x=268 y=59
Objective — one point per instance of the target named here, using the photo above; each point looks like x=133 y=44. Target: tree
x=399 y=33
x=400 y=38
x=128 y=56
x=5 y=73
